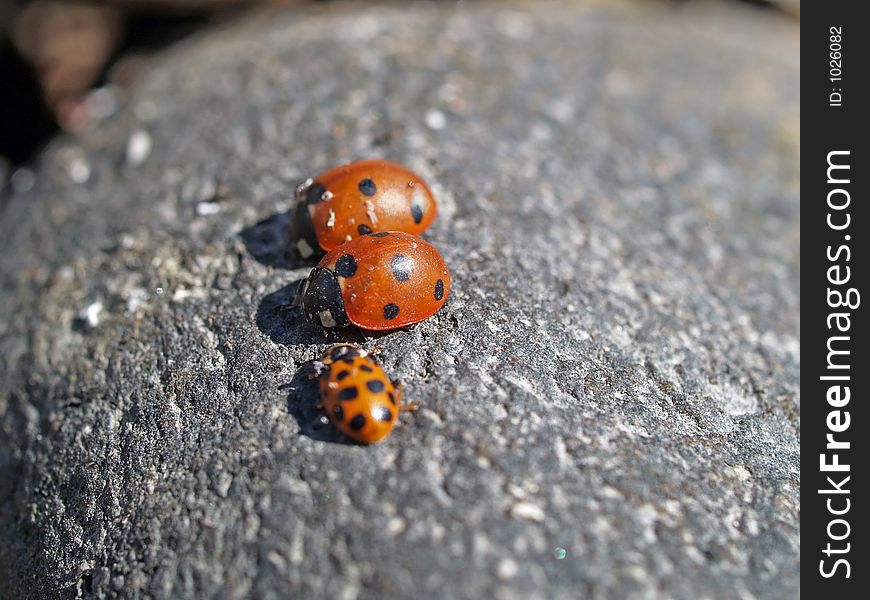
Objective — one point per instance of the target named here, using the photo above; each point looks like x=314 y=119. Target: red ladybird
x=379 y=281
x=359 y=198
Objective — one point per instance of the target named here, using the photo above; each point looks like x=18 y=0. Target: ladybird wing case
x=389 y=280
x=359 y=398
x=367 y=196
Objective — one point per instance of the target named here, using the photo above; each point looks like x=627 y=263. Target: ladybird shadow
x=282 y=320
x=269 y=243
x=302 y=399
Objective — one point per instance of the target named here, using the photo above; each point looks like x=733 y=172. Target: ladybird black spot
x=390 y=311
x=315 y=193
x=417 y=212
x=439 y=289
x=381 y=234
x=348 y=359
x=364 y=229
x=345 y=266
x=401 y=266
x=342 y=375
x=358 y=422
x=348 y=393
x=392 y=397
x=338 y=413
x=367 y=187
x=375 y=385
x=382 y=413
x=366 y=368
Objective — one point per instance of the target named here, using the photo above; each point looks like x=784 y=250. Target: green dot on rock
x=560 y=553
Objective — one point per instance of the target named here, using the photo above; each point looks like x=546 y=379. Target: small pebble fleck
x=527 y=510
x=138 y=147
x=89 y=316
x=159 y=291
x=435 y=119
x=204 y=209
x=79 y=170
x=507 y=568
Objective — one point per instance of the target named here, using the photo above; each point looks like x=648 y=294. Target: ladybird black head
x=321 y=299
x=343 y=351
x=302 y=234
x=315 y=194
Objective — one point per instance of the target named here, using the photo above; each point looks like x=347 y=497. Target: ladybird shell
x=367 y=196
x=389 y=279
x=357 y=395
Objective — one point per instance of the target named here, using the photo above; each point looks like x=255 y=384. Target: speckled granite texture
x=616 y=372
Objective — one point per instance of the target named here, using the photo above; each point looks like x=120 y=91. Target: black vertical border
x=825 y=129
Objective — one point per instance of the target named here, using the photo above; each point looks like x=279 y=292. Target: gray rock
x=616 y=373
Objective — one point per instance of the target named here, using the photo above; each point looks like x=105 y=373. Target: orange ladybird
x=359 y=198
x=356 y=394
x=379 y=281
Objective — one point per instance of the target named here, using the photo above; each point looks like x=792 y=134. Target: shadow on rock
x=269 y=243
x=302 y=404
x=280 y=319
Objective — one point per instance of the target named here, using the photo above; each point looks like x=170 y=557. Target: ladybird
x=379 y=281
x=352 y=200
x=358 y=397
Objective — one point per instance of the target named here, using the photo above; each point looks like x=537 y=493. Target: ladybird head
x=321 y=299
x=338 y=352
x=302 y=234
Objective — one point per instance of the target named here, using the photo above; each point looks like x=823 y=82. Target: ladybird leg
x=403 y=407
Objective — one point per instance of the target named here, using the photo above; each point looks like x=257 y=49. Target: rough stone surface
x=616 y=373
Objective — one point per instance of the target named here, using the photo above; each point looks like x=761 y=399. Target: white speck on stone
x=137 y=296
x=90 y=315
x=507 y=568
x=138 y=147
x=205 y=209
x=79 y=170
x=396 y=525
x=435 y=119
x=276 y=560
x=516 y=491
x=528 y=511
x=159 y=291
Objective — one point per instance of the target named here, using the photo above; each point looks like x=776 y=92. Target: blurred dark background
x=54 y=53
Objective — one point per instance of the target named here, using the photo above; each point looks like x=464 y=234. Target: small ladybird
x=356 y=394
x=379 y=281
x=359 y=198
